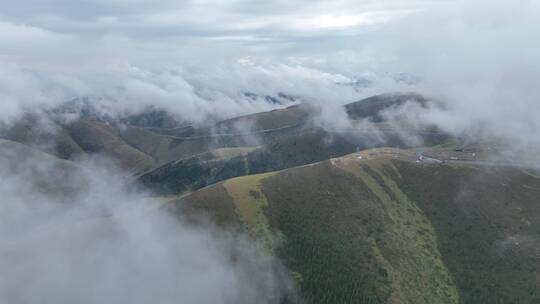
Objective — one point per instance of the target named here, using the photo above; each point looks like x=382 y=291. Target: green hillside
x=372 y=106
x=284 y=138
x=449 y=222
x=149 y=140
x=303 y=148
x=377 y=227
x=97 y=137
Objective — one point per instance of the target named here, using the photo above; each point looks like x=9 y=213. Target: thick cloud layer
x=197 y=58
x=196 y=94
x=179 y=55
x=480 y=58
x=107 y=244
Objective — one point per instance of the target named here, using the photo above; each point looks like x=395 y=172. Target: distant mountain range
x=358 y=212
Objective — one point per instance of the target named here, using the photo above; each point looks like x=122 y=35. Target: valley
x=357 y=215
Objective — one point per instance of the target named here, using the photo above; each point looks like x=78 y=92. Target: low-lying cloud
x=479 y=58
x=104 y=243
x=193 y=95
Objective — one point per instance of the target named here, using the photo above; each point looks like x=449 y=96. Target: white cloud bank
x=107 y=244
x=197 y=58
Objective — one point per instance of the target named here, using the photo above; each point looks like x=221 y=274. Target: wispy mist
x=95 y=241
x=479 y=58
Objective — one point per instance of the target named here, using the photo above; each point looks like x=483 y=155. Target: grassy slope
x=488 y=227
x=410 y=252
x=213 y=203
x=96 y=137
x=383 y=229
x=371 y=106
x=165 y=149
x=279 y=150
x=249 y=202
x=229 y=153
x=289 y=151
x=266 y=120
x=328 y=234
x=198 y=171
x=145 y=140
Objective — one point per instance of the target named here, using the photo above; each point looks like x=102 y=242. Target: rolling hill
x=141 y=142
x=378 y=227
x=426 y=221
x=292 y=140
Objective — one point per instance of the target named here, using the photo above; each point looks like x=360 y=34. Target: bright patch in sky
x=348 y=20
x=335 y=21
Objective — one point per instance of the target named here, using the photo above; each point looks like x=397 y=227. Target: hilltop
x=283 y=139
x=377 y=225
x=357 y=213
x=143 y=142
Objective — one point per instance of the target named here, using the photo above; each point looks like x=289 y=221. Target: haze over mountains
x=279 y=152
x=329 y=219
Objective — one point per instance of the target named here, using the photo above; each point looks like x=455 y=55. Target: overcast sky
x=197 y=57
x=180 y=54
x=340 y=36
x=143 y=32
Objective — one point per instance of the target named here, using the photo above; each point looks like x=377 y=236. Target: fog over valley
x=269 y=151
